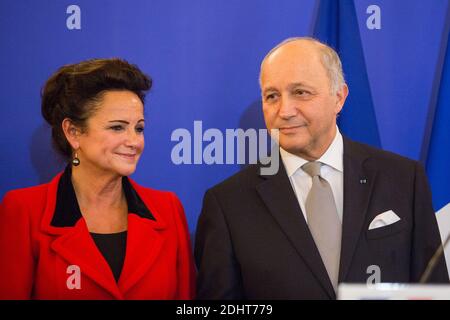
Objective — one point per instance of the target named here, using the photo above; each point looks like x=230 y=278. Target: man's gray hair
x=329 y=57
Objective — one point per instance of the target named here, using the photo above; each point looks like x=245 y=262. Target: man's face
x=297 y=99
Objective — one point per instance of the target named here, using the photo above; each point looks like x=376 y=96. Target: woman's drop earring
x=75 y=160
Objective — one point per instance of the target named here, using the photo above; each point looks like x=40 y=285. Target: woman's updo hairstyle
x=75 y=90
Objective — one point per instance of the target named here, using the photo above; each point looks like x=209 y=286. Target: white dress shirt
x=332 y=170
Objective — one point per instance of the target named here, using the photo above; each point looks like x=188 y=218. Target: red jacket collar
x=62 y=211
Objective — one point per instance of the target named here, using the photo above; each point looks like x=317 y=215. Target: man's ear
x=341 y=96
x=72 y=133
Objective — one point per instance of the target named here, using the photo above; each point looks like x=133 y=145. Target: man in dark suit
x=336 y=211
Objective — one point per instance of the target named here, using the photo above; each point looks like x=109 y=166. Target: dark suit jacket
x=42 y=234
x=252 y=241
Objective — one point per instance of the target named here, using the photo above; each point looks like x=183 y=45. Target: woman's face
x=114 y=138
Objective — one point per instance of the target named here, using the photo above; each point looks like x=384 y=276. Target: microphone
x=433 y=261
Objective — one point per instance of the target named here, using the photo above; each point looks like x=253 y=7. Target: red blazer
x=41 y=261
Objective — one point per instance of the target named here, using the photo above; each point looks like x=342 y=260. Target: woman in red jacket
x=92 y=232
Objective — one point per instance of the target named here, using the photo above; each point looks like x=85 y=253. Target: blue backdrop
x=204 y=57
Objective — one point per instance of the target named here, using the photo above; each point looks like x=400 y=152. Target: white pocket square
x=384 y=219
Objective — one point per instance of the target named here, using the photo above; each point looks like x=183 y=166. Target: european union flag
x=337 y=25
x=438 y=160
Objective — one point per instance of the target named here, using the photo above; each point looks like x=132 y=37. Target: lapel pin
x=363 y=181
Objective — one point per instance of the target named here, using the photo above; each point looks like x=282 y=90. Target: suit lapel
x=75 y=244
x=77 y=247
x=144 y=244
x=359 y=180
x=279 y=197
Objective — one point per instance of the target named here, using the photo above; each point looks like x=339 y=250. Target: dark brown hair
x=75 y=90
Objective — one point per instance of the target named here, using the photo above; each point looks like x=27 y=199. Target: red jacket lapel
x=77 y=247
x=144 y=244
